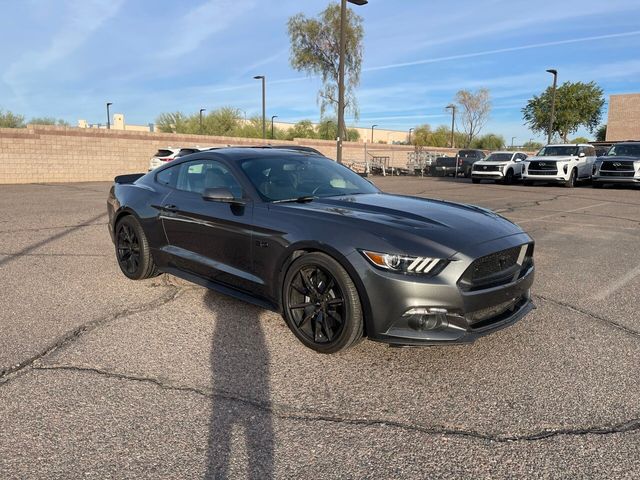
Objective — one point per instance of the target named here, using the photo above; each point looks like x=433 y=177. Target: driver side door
x=208 y=238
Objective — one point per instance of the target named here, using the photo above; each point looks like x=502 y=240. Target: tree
x=175 y=122
x=532 y=146
x=577 y=105
x=328 y=129
x=302 y=129
x=490 y=141
x=48 y=121
x=11 y=120
x=580 y=140
x=601 y=133
x=473 y=112
x=421 y=136
x=315 y=49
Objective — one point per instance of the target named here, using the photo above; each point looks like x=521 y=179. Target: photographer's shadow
x=240 y=377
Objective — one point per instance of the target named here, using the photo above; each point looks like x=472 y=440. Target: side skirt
x=225 y=290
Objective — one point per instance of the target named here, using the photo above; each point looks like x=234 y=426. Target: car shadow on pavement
x=240 y=428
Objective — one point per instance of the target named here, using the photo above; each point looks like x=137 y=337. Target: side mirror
x=581 y=154
x=222 y=195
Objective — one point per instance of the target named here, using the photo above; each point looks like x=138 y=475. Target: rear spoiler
x=130 y=178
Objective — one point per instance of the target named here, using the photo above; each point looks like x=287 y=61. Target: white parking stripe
x=560 y=213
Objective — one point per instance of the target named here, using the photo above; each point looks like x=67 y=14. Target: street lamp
x=553 y=103
x=108 y=116
x=410 y=130
x=201 y=110
x=272 y=117
x=372 y=127
x=343 y=47
x=512 y=139
x=453 y=123
x=264 y=105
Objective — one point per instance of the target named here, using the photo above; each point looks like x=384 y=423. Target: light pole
x=201 y=110
x=108 y=116
x=372 y=127
x=512 y=139
x=272 y=117
x=453 y=123
x=343 y=47
x=264 y=105
x=410 y=130
x=553 y=103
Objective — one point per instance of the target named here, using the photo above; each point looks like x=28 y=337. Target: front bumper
x=545 y=178
x=495 y=175
x=611 y=179
x=391 y=295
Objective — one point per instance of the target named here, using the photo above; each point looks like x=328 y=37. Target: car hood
x=563 y=158
x=451 y=225
x=619 y=158
x=492 y=162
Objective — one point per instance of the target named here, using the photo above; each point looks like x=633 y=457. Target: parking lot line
x=565 y=211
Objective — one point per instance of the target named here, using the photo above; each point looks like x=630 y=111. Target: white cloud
x=84 y=18
x=203 y=21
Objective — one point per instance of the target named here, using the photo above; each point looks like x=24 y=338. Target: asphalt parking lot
x=102 y=377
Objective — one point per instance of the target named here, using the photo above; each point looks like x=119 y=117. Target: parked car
x=162 y=156
x=565 y=164
x=466 y=159
x=621 y=164
x=444 y=166
x=501 y=167
x=307 y=237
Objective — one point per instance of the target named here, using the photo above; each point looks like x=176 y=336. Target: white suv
x=502 y=167
x=566 y=164
x=167 y=154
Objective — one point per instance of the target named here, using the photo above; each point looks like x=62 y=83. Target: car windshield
x=290 y=177
x=558 y=151
x=498 y=157
x=626 y=150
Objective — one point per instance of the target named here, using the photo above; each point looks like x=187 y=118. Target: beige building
x=624 y=117
x=118 y=123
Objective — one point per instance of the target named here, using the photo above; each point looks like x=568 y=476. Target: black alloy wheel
x=321 y=304
x=132 y=250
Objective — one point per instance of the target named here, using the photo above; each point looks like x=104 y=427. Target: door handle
x=170 y=208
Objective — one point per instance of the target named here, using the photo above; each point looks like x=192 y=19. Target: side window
x=591 y=152
x=168 y=176
x=198 y=175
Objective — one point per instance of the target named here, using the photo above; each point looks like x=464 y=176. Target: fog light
x=426 y=318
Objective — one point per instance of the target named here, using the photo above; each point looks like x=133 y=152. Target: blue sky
x=66 y=58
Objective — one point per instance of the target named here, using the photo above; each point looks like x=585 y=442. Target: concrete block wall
x=624 y=117
x=42 y=154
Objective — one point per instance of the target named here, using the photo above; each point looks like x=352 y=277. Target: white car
x=501 y=167
x=565 y=164
x=165 y=155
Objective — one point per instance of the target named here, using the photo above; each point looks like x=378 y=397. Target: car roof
x=244 y=153
x=569 y=145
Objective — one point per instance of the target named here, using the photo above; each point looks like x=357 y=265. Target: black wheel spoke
x=301 y=305
x=300 y=290
x=334 y=302
x=306 y=281
x=317 y=326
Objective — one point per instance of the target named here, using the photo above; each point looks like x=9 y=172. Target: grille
x=540 y=165
x=542 y=172
x=497 y=269
x=486 y=168
x=616 y=174
x=617 y=166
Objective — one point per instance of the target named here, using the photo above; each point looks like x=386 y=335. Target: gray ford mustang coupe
x=299 y=234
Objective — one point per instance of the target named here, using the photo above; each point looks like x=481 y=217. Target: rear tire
x=321 y=304
x=132 y=250
x=527 y=183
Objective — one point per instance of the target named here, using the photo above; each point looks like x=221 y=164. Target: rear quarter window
x=163 y=153
x=168 y=176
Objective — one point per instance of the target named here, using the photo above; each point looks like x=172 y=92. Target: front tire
x=596 y=184
x=132 y=250
x=508 y=179
x=321 y=304
x=572 y=179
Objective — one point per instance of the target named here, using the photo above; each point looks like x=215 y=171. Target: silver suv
x=565 y=164
x=621 y=164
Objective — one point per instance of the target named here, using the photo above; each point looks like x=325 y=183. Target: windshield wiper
x=303 y=199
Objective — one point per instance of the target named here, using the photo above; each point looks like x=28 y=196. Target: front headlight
x=406 y=264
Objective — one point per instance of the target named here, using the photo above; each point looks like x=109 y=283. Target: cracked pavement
x=101 y=377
